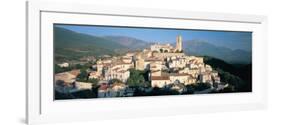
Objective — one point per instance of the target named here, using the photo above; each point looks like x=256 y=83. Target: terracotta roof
x=115 y=69
x=160 y=78
x=122 y=71
x=122 y=63
x=155 y=71
x=152 y=59
x=118 y=84
x=153 y=67
x=217 y=78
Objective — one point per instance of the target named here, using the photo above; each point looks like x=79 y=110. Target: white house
x=160 y=81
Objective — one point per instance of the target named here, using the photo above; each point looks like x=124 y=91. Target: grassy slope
x=72 y=45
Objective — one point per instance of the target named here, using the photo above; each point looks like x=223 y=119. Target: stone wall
x=165 y=55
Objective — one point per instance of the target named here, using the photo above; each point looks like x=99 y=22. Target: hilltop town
x=160 y=67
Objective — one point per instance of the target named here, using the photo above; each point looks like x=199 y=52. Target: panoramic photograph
x=92 y=61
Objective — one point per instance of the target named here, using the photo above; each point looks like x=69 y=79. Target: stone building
x=179 y=44
x=160 y=81
x=114 y=90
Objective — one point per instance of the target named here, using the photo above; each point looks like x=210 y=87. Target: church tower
x=179 y=43
x=99 y=66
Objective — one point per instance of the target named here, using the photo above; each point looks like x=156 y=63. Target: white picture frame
x=41 y=108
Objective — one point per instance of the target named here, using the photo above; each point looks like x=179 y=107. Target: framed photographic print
x=87 y=62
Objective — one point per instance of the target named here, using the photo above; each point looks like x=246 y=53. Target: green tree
x=84 y=94
x=189 y=89
x=231 y=79
x=78 y=66
x=93 y=81
x=202 y=86
x=95 y=88
x=83 y=76
x=136 y=79
x=115 y=81
x=59 y=69
x=161 y=50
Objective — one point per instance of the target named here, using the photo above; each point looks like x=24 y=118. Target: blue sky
x=232 y=40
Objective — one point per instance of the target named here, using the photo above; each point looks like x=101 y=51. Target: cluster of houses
x=167 y=66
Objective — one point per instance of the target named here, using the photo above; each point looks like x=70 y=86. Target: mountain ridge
x=201 y=48
x=70 y=45
x=130 y=42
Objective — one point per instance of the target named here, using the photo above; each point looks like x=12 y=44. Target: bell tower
x=179 y=43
